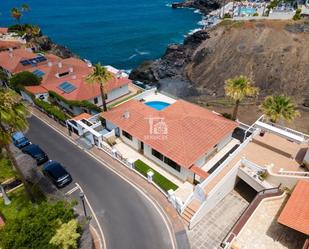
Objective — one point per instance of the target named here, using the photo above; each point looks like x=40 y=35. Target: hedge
x=52 y=110
x=159 y=179
x=83 y=103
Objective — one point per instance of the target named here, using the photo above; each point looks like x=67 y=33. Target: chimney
x=71 y=70
x=60 y=64
x=11 y=49
x=73 y=77
x=49 y=63
x=126 y=114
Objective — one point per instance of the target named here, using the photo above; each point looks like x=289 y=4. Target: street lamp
x=82 y=197
x=4 y=195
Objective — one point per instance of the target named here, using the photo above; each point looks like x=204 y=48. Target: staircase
x=190 y=210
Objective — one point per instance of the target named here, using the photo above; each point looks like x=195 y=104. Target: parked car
x=19 y=140
x=36 y=152
x=56 y=173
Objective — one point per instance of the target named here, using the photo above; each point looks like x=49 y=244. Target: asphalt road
x=128 y=219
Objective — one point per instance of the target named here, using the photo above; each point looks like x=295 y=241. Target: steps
x=190 y=210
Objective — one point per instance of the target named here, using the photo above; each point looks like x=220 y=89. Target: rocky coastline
x=176 y=56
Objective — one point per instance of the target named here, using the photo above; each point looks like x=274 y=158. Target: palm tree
x=100 y=75
x=237 y=89
x=16 y=14
x=12 y=117
x=279 y=107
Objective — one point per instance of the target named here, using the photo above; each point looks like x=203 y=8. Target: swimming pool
x=247 y=11
x=158 y=105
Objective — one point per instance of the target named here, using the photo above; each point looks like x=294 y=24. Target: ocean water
x=122 y=33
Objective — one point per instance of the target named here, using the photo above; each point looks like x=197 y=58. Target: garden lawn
x=159 y=179
x=6 y=170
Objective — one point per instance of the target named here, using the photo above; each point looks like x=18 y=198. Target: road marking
x=95 y=217
x=71 y=191
x=157 y=207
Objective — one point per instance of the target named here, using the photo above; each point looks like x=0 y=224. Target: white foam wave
x=142 y=52
x=168 y=5
x=193 y=31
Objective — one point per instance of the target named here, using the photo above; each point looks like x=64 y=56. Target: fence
x=128 y=163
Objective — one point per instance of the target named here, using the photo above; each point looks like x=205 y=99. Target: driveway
x=128 y=219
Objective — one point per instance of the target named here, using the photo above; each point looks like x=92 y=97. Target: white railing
x=187 y=201
x=145 y=94
x=228 y=160
x=293 y=173
x=252 y=165
x=298 y=133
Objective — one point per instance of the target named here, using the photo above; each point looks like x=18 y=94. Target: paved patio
x=185 y=188
x=264 y=232
x=212 y=229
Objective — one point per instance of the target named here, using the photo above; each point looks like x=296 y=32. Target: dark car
x=36 y=152
x=56 y=173
x=19 y=140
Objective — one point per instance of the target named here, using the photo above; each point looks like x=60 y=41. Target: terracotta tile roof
x=77 y=77
x=5 y=45
x=12 y=62
x=81 y=116
x=36 y=89
x=296 y=212
x=197 y=170
x=191 y=130
x=3 y=30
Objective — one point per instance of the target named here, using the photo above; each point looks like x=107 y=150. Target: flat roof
x=295 y=214
x=189 y=131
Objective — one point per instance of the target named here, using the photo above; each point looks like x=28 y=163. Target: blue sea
x=121 y=33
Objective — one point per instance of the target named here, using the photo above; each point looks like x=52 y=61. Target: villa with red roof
x=179 y=138
x=65 y=77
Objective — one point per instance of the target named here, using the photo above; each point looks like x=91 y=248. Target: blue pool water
x=247 y=10
x=158 y=105
x=122 y=33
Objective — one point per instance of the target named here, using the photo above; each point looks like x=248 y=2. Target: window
x=172 y=164
x=127 y=135
x=63 y=74
x=157 y=154
x=95 y=100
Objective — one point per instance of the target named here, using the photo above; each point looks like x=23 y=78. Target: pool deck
x=159 y=97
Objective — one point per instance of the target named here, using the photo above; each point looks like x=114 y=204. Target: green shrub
x=256 y=14
x=51 y=109
x=25 y=78
x=83 y=103
x=297 y=15
x=6 y=170
x=32 y=225
x=160 y=180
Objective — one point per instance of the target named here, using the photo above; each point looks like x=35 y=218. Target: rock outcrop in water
x=44 y=43
x=173 y=62
x=205 y=6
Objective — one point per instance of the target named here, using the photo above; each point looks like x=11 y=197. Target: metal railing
x=298 y=133
x=248 y=212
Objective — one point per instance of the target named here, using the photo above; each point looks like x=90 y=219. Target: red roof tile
x=4 y=45
x=3 y=30
x=36 y=89
x=81 y=116
x=296 y=212
x=11 y=60
x=191 y=130
x=197 y=170
x=77 y=77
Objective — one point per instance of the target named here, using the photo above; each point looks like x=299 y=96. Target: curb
x=157 y=206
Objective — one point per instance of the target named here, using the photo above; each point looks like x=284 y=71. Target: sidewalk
x=174 y=219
